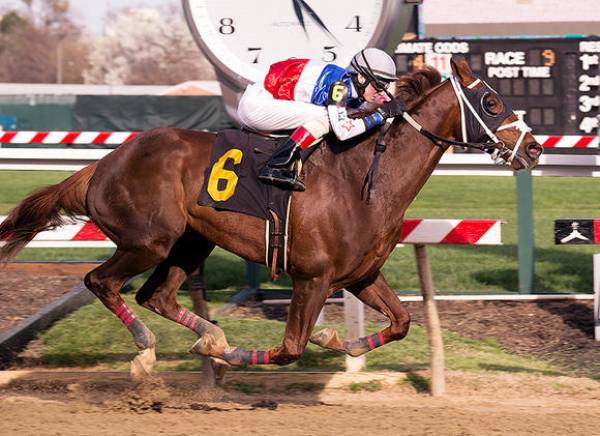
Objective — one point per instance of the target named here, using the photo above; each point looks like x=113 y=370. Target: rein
x=500 y=153
x=380 y=147
x=440 y=140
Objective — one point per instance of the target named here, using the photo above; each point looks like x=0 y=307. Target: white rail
x=454 y=164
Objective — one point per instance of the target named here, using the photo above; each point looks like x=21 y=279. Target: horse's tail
x=42 y=211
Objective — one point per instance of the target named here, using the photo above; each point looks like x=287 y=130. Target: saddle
x=231 y=184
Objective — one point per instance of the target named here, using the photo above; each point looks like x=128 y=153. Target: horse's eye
x=491 y=105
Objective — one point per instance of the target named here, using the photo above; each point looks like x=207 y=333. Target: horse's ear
x=461 y=70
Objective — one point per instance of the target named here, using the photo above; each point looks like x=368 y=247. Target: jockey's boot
x=280 y=170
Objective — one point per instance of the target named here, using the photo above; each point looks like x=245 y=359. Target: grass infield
x=92 y=336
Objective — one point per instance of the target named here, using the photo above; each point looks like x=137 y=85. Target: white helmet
x=375 y=65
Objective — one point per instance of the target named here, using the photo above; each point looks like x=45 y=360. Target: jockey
x=312 y=97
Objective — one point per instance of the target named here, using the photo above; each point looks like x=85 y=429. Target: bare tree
x=40 y=44
x=145 y=46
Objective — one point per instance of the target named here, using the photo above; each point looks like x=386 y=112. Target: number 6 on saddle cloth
x=231 y=183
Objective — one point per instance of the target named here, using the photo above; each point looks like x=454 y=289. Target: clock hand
x=315 y=17
x=300 y=15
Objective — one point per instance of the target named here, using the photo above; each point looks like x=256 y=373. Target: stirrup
x=287 y=153
x=281 y=177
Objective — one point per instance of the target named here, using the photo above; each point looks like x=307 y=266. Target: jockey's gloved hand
x=393 y=108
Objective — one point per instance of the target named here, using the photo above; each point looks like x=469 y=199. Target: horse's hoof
x=200 y=347
x=142 y=365
x=328 y=338
x=220 y=367
x=207 y=345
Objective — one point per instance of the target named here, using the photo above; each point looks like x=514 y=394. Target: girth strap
x=276 y=245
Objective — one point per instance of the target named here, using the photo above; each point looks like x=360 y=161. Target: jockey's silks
x=306 y=80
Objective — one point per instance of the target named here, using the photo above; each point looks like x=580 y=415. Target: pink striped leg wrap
x=237 y=356
x=125 y=314
x=141 y=335
x=191 y=321
x=366 y=343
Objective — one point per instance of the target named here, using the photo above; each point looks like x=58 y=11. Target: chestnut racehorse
x=143 y=196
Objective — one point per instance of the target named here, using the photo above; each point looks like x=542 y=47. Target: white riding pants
x=259 y=110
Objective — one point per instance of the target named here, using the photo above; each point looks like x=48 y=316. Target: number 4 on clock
x=354 y=24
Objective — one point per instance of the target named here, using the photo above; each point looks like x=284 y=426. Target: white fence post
x=354 y=315
x=597 y=296
x=321 y=318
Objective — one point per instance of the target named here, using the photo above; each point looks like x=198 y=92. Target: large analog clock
x=243 y=37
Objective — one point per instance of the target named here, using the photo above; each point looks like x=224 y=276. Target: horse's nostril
x=534 y=149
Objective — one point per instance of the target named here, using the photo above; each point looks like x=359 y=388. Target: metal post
x=434 y=330
x=250 y=291
x=597 y=296
x=252 y=275
x=526 y=250
x=321 y=318
x=354 y=316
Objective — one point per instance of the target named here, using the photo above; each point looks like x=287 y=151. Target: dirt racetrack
x=35 y=402
x=96 y=403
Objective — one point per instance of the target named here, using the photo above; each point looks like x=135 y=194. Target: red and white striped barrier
x=84 y=233
x=441 y=231
x=98 y=138
x=80 y=233
x=567 y=141
x=116 y=138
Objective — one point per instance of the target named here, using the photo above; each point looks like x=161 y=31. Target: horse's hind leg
x=381 y=297
x=107 y=280
x=308 y=298
x=160 y=290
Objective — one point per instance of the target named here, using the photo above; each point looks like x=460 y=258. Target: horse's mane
x=411 y=87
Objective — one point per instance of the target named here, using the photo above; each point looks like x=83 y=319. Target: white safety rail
x=66 y=137
x=477 y=164
x=454 y=164
x=94 y=137
x=79 y=233
x=49 y=159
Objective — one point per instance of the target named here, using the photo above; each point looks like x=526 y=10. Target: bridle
x=501 y=154
x=470 y=119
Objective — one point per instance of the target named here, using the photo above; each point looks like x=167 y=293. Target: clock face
x=244 y=37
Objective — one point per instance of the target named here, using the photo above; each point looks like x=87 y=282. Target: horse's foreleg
x=381 y=297
x=308 y=298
